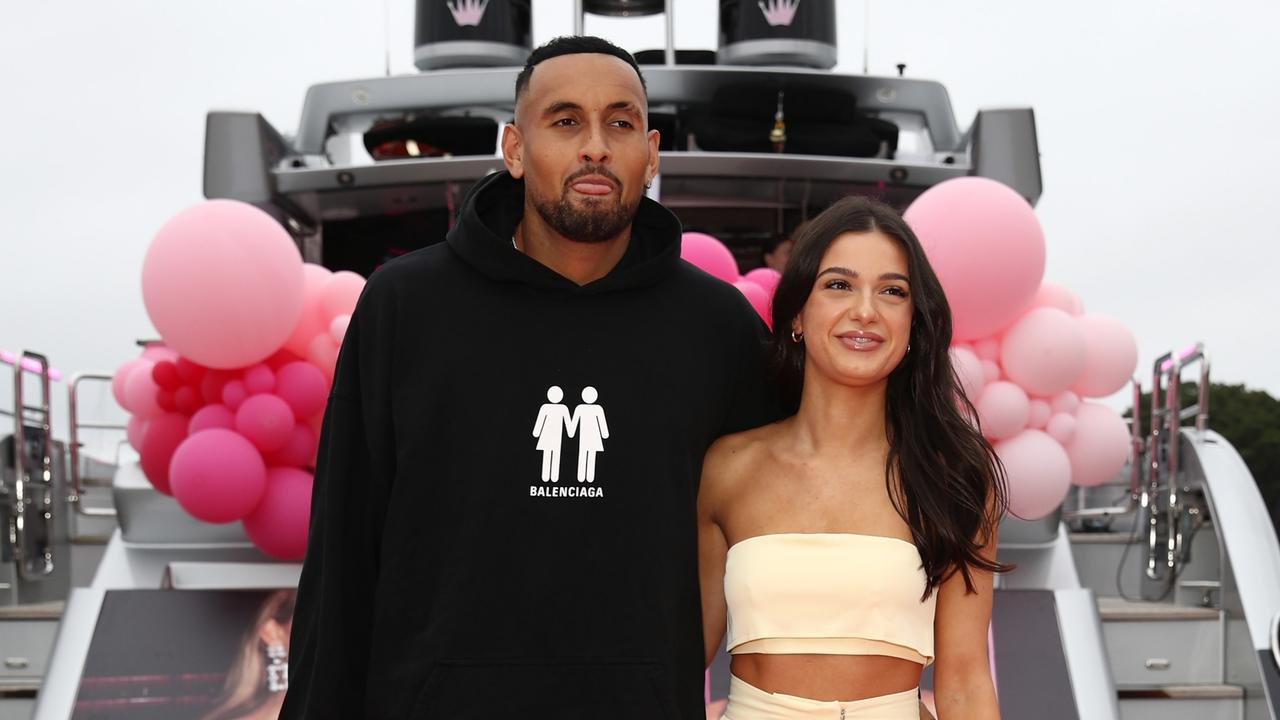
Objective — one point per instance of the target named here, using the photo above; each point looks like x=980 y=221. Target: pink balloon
x=338 y=328
x=156 y=352
x=164 y=434
x=165 y=375
x=1052 y=294
x=164 y=398
x=1066 y=402
x=987 y=348
x=190 y=373
x=986 y=246
x=1100 y=445
x=311 y=319
x=1003 y=410
x=234 y=393
x=266 y=421
x=339 y=295
x=1044 y=351
x=969 y=369
x=259 y=379
x=1111 y=356
x=990 y=371
x=1062 y=427
x=710 y=255
x=222 y=282
x=187 y=400
x=212 y=384
x=278 y=526
x=210 y=417
x=303 y=386
x=299 y=451
x=135 y=431
x=1039 y=414
x=758 y=298
x=766 y=278
x=121 y=377
x=217 y=476
x=1039 y=473
x=323 y=353
x=140 y=393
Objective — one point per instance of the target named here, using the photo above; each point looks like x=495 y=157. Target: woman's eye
x=896 y=291
x=837 y=285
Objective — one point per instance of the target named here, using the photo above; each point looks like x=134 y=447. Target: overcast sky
x=1159 y=128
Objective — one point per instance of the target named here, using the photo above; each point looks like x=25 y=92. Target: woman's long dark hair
x=951 y=487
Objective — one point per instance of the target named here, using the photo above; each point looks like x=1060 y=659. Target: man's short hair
x=573 y=45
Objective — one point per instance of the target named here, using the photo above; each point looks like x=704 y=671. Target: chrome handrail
x=1152 y=489
x=17 y=519
x=76 y=498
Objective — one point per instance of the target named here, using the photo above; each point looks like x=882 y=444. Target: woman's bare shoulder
x=735 y=458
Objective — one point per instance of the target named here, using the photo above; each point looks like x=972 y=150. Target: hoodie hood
x=492 y=210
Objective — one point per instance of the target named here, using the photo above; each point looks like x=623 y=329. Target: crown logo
x=468 y=12
x=779 y=12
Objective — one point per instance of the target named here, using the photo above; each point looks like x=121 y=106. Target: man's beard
x=595 y=221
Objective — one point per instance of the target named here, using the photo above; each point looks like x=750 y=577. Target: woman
x=851 y=544
x=259 y=675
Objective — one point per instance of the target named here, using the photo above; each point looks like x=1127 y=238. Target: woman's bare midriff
x=827 y=677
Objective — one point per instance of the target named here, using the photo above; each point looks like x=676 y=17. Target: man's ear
x=513 y=150
x=652 y=171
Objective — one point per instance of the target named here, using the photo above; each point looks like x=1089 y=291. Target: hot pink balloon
x=135 y=431
x=1052 y=294
x=758 y=298
x=189 y=372
x=338 y=328
x=163 y=436
x=259 y=379
x=311 y=318
x=140 y=394
x=1043 y=352
x=1003 y=409
x=187 y=400
x=1039 y=473
x=298 y=451
x=222 y=282
x=217 y=476
x=710 y=255
x=165 y=375
x=304 y=387
x=120 y=378
x=266 y=421
x=1100 y=445
x=1111 y=356
x=212 y=384
x=1039 y=414
x=987 y=248
x=766 y=278
x=339 y=295
x=234 y=393
x=1065 y=402
x=210 y=417
x=278 y=526
x=1062 y=427
x=969 y=369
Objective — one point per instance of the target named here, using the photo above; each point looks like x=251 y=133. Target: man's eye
x=623 y=123
x=565 y=122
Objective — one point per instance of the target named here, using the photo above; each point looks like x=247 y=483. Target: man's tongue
x=591 y=188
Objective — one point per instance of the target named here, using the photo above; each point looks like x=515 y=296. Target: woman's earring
x=277 y=668
x=796 y=337
x=908 y=347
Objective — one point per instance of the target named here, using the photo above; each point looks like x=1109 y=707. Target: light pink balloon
x=986 y=246
x=299 y=451
x=1062 y=427
x=135 y=430
x=210 y=417
x=339 y=295
x=1052 y=294
x=969 y=369
x=279 y=524
x=259 y=379
x=234 y=393
x=222 y=282
x=1039 y=414
x=1100 y=445
x=121 y=377
x=1065 y=402
x=710 y=255
x=990 y=371
x=323 y=353
x=266 y=421
x=338 y=328
x=304 y=387
x=1003 y=409
x=767 y=278
x=311 y=318
x=158 y=351
x=140 y=393
x=1111 y=356
x=758 y=298
x=1039 y=473
x=987 y=348
x=217 y=476
x=1043 y=351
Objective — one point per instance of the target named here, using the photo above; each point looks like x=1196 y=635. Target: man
x=449 y=572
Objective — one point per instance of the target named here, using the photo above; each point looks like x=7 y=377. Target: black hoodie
x=444 y=578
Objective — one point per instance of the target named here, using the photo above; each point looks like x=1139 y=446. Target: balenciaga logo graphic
x=779 y=12
x=467 y=12
x=586 y=423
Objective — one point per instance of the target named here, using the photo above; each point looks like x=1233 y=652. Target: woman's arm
x=712 y=550
x=963 y=689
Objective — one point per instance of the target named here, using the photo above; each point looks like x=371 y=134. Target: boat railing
x=76 y=497
x=33 y=487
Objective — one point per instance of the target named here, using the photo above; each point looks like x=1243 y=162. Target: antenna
x=386 y=35
x=866 y=37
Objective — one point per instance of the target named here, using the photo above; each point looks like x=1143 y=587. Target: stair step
x=1181 y=692
x=33 y=611
x=1120 y=609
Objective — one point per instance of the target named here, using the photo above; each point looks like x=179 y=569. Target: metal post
x=577 y=17
x=671 y=34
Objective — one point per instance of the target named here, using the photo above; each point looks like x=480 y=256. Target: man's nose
x=595 y=147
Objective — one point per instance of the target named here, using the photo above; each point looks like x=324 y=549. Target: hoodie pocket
x=578 y=690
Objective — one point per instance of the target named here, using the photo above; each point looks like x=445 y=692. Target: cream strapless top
x=828 y=594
